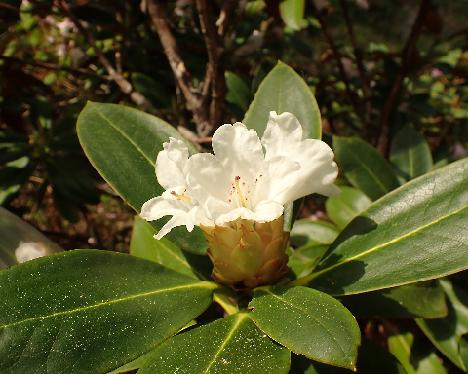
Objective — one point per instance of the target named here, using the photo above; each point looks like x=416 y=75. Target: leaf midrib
x=382 y=245
x=202 y=284
x=229 y=335
x=308 y=315
x=380 y=183
x=128 y=138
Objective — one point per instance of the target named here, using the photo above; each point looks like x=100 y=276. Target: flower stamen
x=239 y=191
x=181 y=196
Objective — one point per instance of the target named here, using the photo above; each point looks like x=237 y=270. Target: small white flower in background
x=27 y=251
x=245 y=180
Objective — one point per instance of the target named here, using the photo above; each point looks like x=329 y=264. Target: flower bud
x=246 y=254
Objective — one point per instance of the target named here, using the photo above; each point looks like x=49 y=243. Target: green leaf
x=304 y=259
x=227 y=345
x=364 y=167
x=423 y=300
x=372 y=359
x=283 y=90
x=446 y=333
x=306 y=231
x=164 y=252
x=418 y=300
x=463 y=350
x=308 y=322
x=348 y=204
x=400 y=346
x=292 y=13
x=122 y=144
x=410 y=153
x=88 y=311
x=414 y=353
x=413 y=234
x=238 y=93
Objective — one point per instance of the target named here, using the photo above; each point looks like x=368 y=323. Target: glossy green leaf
x=228 y=345
x=418 y=300
x=164 y=252
x=413 y=352
x=400 y=346
x=306 y=231
x=348 y=204
x=308 y=322
x=122 y=144
x=292 y=13
x=446 y=333
x=364 y=167
x=463 y=350
x=89 y=311
x=304 y=259
x=410 y=153
x=416 y=233
x=238 y=93
x=283 y=90
x=372 y=359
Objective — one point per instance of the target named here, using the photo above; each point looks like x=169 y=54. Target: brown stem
x=225 y=15
x=124 y=85
x=157 y=13
x=383 y=143
x=214 y=71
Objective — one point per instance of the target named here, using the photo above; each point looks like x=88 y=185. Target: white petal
x=171 y=163
x=281 y=132
x=268 y=210
x=234 y=214
x=317 y=172
x=278 y=176
x=238 y=150
x=173 y=222
x=206 y=178
x=159 y=207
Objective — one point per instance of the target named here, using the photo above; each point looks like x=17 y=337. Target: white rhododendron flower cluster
x=246 y=178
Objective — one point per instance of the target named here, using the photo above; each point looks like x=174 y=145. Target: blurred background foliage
x=375 y=67
x=392 y=73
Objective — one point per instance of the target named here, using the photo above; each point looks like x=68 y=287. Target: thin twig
x=337 y=56
x=51 y=66
x=157 y=13
x=124 y=85
x=383 y=143
x=215 y=73
x=225 y=15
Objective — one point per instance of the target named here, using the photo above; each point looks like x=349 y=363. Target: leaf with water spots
x=228 y=345
x=418 y=232
x=308 y=322
x=89 y=311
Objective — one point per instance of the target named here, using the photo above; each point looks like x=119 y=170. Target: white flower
x=245 y=178
x=27 y=251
